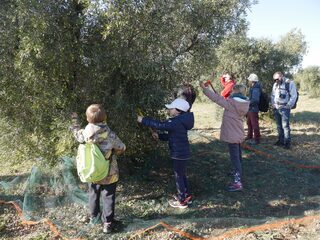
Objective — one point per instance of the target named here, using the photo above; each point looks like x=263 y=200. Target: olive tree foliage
x=242 y=55
x=60 y=56
x=40 y=65
x=309 y=80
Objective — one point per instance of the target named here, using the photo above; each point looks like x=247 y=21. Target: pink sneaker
x=235 y=187
x=188 y=198
x=178 y=204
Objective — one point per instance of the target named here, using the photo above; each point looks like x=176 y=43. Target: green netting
x=47 y=188
x=10 y=184
x=56 y=193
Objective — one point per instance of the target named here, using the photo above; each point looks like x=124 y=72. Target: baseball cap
x=253 y=77
x=180 y=104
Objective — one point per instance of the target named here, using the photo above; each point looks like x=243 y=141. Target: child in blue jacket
x=177 y=127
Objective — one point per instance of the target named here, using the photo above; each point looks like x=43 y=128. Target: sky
x=275 y=18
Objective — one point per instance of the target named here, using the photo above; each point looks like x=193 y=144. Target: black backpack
x=263 y=102
x=288 y=90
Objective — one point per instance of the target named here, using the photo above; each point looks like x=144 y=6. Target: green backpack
x=91 y=164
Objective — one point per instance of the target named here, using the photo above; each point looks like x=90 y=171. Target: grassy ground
x=277 y=186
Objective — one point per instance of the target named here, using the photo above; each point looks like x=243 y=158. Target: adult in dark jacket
x=253 y=134
x=176 y=128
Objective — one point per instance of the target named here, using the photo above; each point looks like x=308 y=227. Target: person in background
x=253 y=134
x=282 y=100
x=227 y=81
x=232 y=131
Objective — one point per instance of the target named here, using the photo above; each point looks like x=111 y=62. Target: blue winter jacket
x=177 y=133
x=254 y=97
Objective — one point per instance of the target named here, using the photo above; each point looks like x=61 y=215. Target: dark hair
x=231 y=75
x=187 y=92
x=180 y=111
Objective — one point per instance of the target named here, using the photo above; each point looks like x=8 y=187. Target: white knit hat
x=180 y=104
x=253 y=77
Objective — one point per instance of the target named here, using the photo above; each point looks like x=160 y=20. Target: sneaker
x=178 y=204
x=188 y=198
x=114 y=226
x=107 y=227
x=235 y=187
x=278 y=143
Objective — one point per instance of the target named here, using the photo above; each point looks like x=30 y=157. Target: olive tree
x=309 y=80
x=242 y=55
x=61 y=56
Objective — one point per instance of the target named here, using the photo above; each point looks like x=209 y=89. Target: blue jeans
x=282 y=117
x=236 y=158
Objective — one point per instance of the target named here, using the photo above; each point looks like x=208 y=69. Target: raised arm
x=75 y=128
x=215 y=97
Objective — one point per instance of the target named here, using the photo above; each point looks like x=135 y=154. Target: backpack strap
x=287 y=86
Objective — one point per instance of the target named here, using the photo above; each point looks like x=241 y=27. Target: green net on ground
x=56 y=193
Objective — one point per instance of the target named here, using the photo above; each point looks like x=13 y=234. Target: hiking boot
x=107 y=227
x=278 y=143
x=178 y=204
x=287 y=146
x=235 y=187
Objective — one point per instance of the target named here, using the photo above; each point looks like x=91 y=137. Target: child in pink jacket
x=232 y=130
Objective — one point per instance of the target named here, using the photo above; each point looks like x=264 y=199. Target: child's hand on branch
x=155 y=135
x=139 y=119
x=203 y=85
x=74 y=115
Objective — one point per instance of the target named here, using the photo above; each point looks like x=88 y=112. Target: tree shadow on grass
x=306 y=117
x=271 y=188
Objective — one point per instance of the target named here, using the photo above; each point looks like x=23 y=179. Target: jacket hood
x=242 y=105
x=257 y=85
x=92 y=129
x=187 y=119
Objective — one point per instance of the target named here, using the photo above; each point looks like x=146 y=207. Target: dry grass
x=273 y=189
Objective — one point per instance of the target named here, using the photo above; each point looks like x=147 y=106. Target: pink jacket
x=236 y=108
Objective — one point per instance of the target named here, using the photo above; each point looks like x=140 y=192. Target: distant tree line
x=309 y=80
